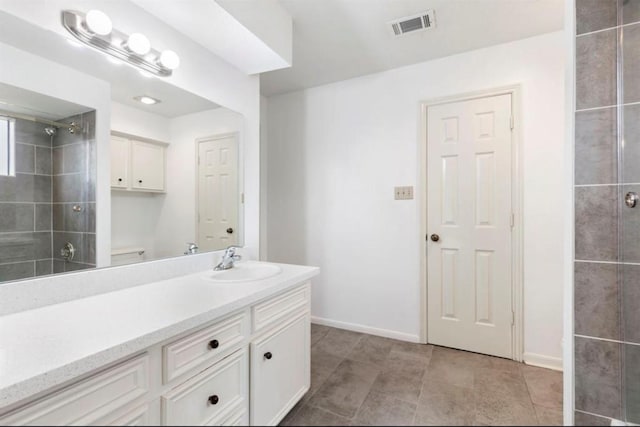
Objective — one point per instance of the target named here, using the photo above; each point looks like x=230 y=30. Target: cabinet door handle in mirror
x=119 y=179
x=268 y=355
x=139 y=181
x=213 y=344
x=214 y=399
x=230 y=230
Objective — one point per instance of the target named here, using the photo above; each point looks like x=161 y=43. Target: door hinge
x=512 y=122
x=513 y=219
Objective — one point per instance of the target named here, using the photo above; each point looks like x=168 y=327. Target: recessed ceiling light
x=147 y=100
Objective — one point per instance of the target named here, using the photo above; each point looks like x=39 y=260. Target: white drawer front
x=89 y=400
x=211 y=395
x=237 y=417
x=269 y=312
x=196 y=349
x=280 y=371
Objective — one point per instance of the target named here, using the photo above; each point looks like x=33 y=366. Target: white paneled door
x=469 y=225
x=218 y=193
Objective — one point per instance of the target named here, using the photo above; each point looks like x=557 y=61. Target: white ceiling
x=126 y=82
x=335 y=40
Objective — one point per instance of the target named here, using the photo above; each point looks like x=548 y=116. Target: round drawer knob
x=268 y=355
x=119 y=179
x=214 y=399
x=140 y=181
x=214 y=344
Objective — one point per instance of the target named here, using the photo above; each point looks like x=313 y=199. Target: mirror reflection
x=154 y=173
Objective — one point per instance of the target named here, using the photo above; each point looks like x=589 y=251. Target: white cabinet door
x=280 y=376
x=147 y=166
x=119 y=162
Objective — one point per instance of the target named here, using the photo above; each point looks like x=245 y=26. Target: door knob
x=230 y=230
x=435 y=238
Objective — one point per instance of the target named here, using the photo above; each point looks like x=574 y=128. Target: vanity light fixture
x=147 y=100
x=95 y=29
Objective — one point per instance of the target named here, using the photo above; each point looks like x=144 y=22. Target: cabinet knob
x=214 y=399
x=139 y=181
x=230 y=230
x=268 y=355
x=119 y=179
x=214 y=344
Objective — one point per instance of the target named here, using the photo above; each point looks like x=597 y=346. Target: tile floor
x=359 y=379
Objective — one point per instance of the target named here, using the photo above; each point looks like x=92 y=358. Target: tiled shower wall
x=74 y=195
x=37 y=215
x=607 y=234
x=25 y=206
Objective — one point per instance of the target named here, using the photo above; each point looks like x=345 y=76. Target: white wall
x=336 y=152
x=180 y=199
x=264 y=176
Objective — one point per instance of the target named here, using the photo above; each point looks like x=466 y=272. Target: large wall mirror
x=175 y=167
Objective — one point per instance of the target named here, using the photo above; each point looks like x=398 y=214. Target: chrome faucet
x=192 y=249
x=228 y=258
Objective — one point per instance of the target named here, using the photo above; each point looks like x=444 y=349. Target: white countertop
x=48 y=346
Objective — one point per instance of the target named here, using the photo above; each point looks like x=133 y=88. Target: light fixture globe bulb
x=169 y=59
x=98 y=22
x=138 y=44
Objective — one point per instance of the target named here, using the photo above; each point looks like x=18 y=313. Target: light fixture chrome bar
x=112 y=44
x=73 y=126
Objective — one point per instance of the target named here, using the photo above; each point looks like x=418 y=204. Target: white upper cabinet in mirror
x=118 y=166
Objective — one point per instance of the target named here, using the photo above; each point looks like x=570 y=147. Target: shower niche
x=47 y=186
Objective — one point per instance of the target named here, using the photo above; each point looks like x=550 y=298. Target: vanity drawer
x=273 y=310
x=90 y=400
x=138 y=416
x=204 y=346
x=211 y=396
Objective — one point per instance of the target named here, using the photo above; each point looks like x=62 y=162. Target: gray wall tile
x=19 y=247
x=597 y=311
x=596 y=224
x=632 y=382
x=593 y=15
x=582 y=419
x=43 y=161
x=83 y=243
x=630 y=303
x=597 y=377
x=16 y=217
x=25 y=158
x=596 y=70
x=29 y=132
x=25 y=188
x=58 y=266
x=630 y=228
x=17 y=271
x=596 y=153
x=57 y=163
x=75 y=266
x=630 y=11
x=631 y=154
x=631 y=63
x=66 y=219
x=69 y=188
x=43 y=216
x=44 y=267
x=74 y=158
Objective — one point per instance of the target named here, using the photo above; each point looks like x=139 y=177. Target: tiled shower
x=607 y=231
x=50 y=201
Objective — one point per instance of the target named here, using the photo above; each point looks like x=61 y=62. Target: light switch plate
x=403 y=193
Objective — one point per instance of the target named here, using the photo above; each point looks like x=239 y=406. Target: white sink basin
x=245 y=272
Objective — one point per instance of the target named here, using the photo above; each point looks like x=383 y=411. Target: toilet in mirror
x=146 y=171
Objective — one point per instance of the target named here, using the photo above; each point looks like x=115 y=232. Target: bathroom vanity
x=201 y=348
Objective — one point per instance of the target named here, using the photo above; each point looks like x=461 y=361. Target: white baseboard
x=365 y=329
x=542 y=361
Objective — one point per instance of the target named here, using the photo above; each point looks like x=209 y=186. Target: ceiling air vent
x=415 y=23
